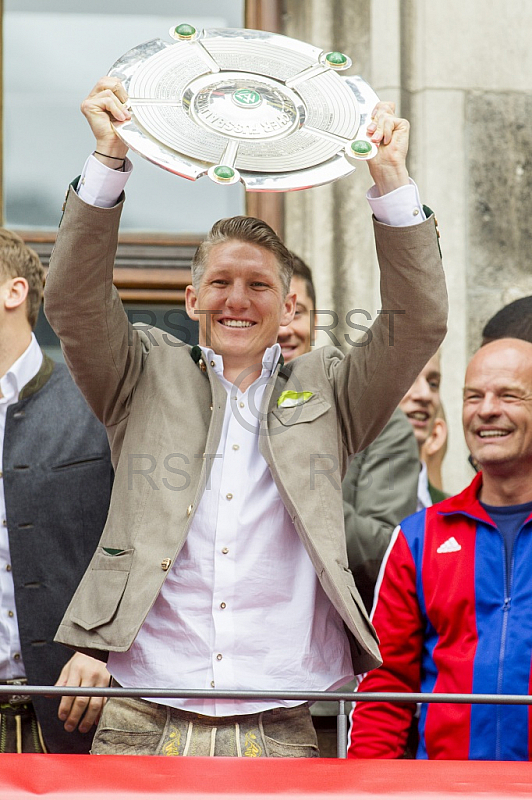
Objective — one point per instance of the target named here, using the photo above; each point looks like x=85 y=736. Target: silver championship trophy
x=242 y=105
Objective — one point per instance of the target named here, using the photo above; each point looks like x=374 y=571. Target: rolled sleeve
x=399 y=208
x=101 y=186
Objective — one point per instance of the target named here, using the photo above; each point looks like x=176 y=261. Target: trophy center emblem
x=247 y=98
x=239 y=108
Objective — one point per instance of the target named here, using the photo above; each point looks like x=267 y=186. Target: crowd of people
x=291 y=530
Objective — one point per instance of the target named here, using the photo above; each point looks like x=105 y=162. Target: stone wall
x=462 y=73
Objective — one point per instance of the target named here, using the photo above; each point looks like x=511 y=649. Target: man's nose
x=237 y=296
x=421 y=390
x=489 y=406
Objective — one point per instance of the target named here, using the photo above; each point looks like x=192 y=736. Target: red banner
x=151 y=778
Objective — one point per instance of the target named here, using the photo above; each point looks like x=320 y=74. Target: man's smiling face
x=497 y=409
x=242 y=293
x=295 y=338
x=421 y=402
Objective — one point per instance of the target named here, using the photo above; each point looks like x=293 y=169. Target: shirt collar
x=270 y=360
x=423 y=494
x=22 y=371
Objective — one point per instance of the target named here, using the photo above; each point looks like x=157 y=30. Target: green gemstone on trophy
x=247 y=98
x=224 y=173
x=361 y=147
x=336 y=59
x=185 y=31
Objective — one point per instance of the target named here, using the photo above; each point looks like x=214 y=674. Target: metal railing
x=339 y=697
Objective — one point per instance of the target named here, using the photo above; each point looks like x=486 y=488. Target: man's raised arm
x=411 y=322
x=102 y=350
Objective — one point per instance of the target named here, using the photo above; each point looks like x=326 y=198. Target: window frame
x=154 y=268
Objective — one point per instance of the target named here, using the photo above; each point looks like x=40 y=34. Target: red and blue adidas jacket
x=450 y=619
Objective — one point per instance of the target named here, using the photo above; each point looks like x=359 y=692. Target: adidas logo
x=450 y=546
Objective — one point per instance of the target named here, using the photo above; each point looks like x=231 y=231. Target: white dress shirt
x=242 y=607
x=20 y=373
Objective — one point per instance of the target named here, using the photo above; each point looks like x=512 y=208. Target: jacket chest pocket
x=313 y=409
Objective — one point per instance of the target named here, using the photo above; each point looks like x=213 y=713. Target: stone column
x=465 y=79
x=330 y=226
x=460 y=71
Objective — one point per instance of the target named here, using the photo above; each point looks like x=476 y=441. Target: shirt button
x=189 y=510
x=219 y=657
x=225 y=550
x=213 y=364
x=16 y=656
x=4 y=523
x=241 y=404
x=10 y=614
x=236 y=447
x=212 y=684
x=8 y=567
x=229 y=496
x=1 y=474
x=222 y=605
x=415 y=212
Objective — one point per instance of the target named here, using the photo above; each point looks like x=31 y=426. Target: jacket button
x=165 y=563
x=189 y=510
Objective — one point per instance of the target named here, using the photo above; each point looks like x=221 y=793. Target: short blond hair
x=244 y=229
x=17 y=260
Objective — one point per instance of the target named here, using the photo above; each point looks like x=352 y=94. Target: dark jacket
x=57 y=481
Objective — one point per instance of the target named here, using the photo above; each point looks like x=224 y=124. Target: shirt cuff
x=100 y=185
x=399 y=208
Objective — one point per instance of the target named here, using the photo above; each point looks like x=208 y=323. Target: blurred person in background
x=55 y=484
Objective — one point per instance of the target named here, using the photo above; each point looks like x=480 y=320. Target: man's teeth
x=419 y=415
x=485 y=434
x=237 y=323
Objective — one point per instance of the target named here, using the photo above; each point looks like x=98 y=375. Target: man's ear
x=14 y=293
x=437 y=438
x=191 y=302
x=289 y=309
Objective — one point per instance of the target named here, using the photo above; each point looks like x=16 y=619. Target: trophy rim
x=270 y=113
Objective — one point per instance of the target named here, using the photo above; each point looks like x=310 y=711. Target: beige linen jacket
x=163 y=411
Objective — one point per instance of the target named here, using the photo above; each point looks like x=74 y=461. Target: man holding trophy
x=223 y=562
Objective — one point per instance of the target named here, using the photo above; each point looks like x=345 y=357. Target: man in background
x=453 y=608
x=55 y=482
x=514 y=320
x=421 y=405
